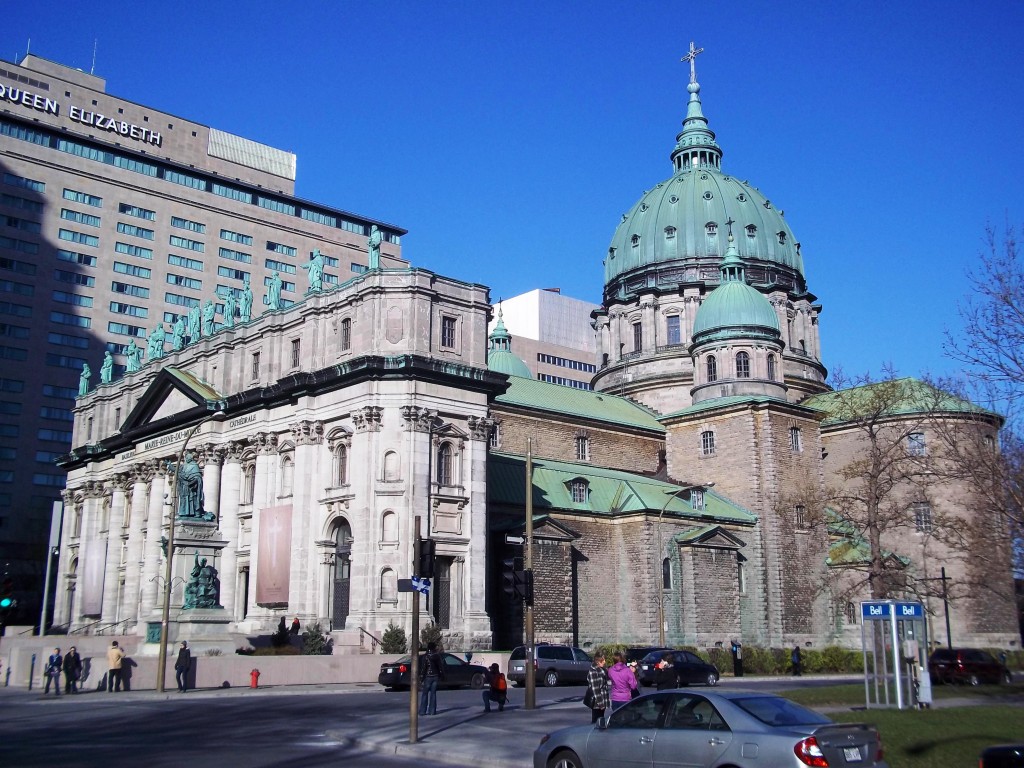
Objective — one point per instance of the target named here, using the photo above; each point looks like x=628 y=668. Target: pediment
x=173 y=396
x=710 y=537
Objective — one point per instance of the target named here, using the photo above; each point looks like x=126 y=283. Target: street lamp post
x=165 y=620
x=661 y=598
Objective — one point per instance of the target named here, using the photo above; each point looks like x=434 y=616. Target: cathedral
x=680 y=499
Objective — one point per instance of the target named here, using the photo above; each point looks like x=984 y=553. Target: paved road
x=290 y=725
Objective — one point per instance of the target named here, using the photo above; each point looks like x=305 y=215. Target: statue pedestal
x=203 y=628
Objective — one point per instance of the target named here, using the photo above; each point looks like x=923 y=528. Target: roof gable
x=172 y=397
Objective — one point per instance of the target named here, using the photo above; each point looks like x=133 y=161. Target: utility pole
x=531 y=650
x=945 y=605
x=414 y=643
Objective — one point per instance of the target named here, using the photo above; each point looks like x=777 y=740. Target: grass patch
x=853 y=695
x=940 y=738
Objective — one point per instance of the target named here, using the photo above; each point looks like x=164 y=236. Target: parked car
x=736 y=728
x=690 y=668
x=967 y=665
x=638 y=652
x=553 y=664
x=1002 y=756
x=458 y=673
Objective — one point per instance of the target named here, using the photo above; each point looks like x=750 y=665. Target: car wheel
x=973 y=680
x=712 y=679
x=550 y=678
x=564 y=759
x=477 y=681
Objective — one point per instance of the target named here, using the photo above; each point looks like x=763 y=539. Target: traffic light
x=517 y=584
x=527 y=588
x=7 y=600
x=425 y=567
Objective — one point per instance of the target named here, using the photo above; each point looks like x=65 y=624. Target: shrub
x=280 y=638
x=213 y=652
x=430 y=634
x=315 y=642
x=394 y=640
x=247 y=651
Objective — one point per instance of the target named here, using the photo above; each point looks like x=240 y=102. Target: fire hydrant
x=254 y=679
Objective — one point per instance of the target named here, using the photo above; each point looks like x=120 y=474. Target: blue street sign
x=421 y=585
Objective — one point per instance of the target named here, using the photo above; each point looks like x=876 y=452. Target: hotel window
x=184 y=179
x=21 y=181
x=638 y=337
x=191 y=226
x=771 y=367
x=922 y=516
x=795 y=441
x=286 y=250
x=255 y=365
x=712 y=366
x=286 y=285
x=186 y=243
x=674 y=335
x=71 y=298
x=134 y=231
x=129 y=289
x=445 y=464
x=82 y=239
x=120 y=308
x=582 y=448
x=79 y=218
x=800 y=516
x=181 y=301
x=742 y=365
x=63 y=276
x=275 y=205
x=131 y=269
x=915 y=444
x=77 y=258
x=231 y=192
x=234 y=274
x=448 y=332
x=184 y=282
x=707 y=443
x=578 y=490
x=133 y=250
x=280 y=266
x=235 y=237
x=227 y=253
x=133 y=210
x=181 y=261
x=296 y=346
x=346 y=334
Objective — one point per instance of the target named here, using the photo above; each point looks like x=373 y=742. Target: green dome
x=735 y=309
x=682 y=221
x=500 y=358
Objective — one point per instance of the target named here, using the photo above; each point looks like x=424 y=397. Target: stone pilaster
x=307 y=485
x=140 y=476
x=112 y=575
x=230 y=494
x=151 y=556
x=211 y=458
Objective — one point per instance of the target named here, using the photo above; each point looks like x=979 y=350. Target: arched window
x=341 y=464
x=248 y=482
x=346 y=334
x=445 y=464
x=389 y=527
x=712 y=365
x=388 y=585
x=742 y=365
x=582 y=448
x=771 y=367
x=800 y=517
x=851 y=614
x=392 y=467
x=287 y=474
x=707 y=443
x=666 y=574
x=579 y=491
x=796 y=442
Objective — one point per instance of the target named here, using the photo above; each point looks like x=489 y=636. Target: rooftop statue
x=83 y=379
x=209 y=314
x=193 y=325
x=178 y=334
x=155 y=347
x=273 y=297
x=107 y=369
x=230 y=305
x=134 y=355
x=373 y=247
x=245 y=307
x=203 y=588
x=316 y=271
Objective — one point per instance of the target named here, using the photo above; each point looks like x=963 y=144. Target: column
x=140 y=475
x=210 y=455
x=306 y=485
x=264 y=495
x=151 y=559
x=111 y=577
x=230 y=493
x=67 y=554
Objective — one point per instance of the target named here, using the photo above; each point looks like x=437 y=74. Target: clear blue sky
x=509 y=137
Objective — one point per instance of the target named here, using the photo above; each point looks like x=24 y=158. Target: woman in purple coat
x=623 y=682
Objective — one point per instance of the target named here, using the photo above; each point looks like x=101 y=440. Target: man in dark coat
x=182 y=666
x=431 y=673
x=665 y=676
x=54 y=664
x=72 y=670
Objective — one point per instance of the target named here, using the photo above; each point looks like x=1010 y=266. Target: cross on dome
x=691 y=57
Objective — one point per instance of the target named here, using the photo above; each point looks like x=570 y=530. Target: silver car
x=737 y=728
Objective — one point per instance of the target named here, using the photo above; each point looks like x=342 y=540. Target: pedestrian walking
x=72 y=670
x=623 y=682
x=795 y=659
x=115 y=657
x=181 y=667
x=54 y=665
x=597 y=696
x=431 y=673
x=665 y=676
x=497 y=689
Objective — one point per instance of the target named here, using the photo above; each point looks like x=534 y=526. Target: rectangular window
x=133 y=250
x=21 y=181
x=17 y=265
x=57 y=414
x=188 y=245
x=707 y=443
x=123 y=329
x=795 y=440
x=132 y=269
x=9 y=430
x=63 y=318
x=346 y=334
x=331 y=261
x=131 y=290
x=81 y=197
x=320 y=218
x=77 y=258
x=922 y=516
x=296 y=347
x=234 y=274
x=800 y=517
x=72 y=298
x=235 y=237
x=17 y=310
x=180 y=261
x=697 y=499
x=359 y=268
x=14 y=201
x=255 y=365
x=184 y=282
x=47 y=457
x=228 y=253
x=67 y=393
x=448 y=332
x=67 y=340
x=183 y=301
x=191 y=226
x=638 y=337
x=65 y=361
x=231 y=193
x=12 y=385
x=63 y=276
x=359 y=229
x=13 y=331
x=13 y=286
x=134 y=231
x=13 y=353
x=78 y=237
x=285 y=250
x=120 y=308
x=275 y=205
x=285 y=285
x=916 y=444
x=184 y=179
x=79 y=218
x=674 y=335
x=10 y=409
x=134 y=210
x=54 y=435
x=25 y=225
x=280 y=266
x=14 y=244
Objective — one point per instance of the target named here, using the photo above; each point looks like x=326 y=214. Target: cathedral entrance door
x=342 y=575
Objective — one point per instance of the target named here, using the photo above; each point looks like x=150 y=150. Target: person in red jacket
x=497 y=690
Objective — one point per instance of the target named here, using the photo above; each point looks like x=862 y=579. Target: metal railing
x=99 y=628
x=374 y=640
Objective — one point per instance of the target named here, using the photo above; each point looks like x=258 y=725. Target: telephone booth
x=894 y=639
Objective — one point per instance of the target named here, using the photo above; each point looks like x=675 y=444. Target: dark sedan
x=457 y=673
x=690 y=668
x=967 y=665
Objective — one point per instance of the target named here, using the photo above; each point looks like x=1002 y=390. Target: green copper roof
x=610 y=491
x=500 y=357
x=898 y=397
x=722 y=402
x=580 y=403
x=735 y=309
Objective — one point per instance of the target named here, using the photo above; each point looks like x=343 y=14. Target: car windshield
x=775 y=710
x=518 y=653
x=653 y=657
